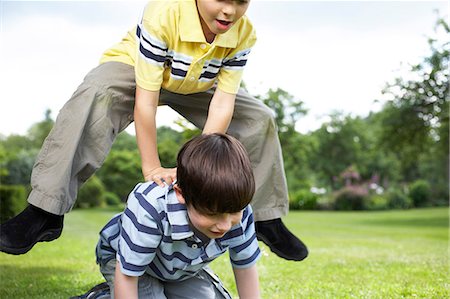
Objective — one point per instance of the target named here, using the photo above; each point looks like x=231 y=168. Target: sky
x=332 y=55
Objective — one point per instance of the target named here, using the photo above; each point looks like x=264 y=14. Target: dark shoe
x=280 y=240
x=100 y=291
x=19 y=234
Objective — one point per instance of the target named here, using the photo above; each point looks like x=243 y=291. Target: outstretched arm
x=220 y=112
x=144 y=115
x=247 y=282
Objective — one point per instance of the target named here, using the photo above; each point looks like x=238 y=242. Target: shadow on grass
x=39 y=282
x=410 y=222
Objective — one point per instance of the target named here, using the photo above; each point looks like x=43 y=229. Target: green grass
x=394 y=254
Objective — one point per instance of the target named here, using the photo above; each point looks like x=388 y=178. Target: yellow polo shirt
x=168 y=50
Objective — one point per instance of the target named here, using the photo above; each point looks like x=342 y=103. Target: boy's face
x=214 y=226
x=217 y=16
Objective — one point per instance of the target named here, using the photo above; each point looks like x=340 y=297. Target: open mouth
x=224 y=24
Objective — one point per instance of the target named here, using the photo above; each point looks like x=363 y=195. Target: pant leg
x=148 y=287
x=82 y=136
x=254 y=125
x=204 y=285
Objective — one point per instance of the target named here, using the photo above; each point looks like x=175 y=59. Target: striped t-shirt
x=153 y=236
x=168 y=49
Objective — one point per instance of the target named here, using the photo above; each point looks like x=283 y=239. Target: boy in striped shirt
x=160 y=246
x=189 y=55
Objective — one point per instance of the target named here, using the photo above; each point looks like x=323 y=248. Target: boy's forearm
x=145 y=124
x=220 y=112
x=125 y=287
x=247 y=282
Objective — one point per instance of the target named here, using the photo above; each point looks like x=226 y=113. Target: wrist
x=149 y=169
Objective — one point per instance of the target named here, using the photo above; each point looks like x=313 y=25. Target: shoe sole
x=47 y=236
x=277 y=252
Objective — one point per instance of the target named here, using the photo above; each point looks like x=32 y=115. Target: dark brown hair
x=214 y=174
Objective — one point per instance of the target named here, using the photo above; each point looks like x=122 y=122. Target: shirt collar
x=191 y=30
x=178 y=217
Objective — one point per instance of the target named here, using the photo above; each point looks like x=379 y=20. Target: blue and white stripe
x=151 y=49
x=210 y=70
x=153 y=236
x=179 y=64
x=237 y=62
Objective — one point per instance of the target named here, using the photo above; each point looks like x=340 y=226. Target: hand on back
x=162 y=175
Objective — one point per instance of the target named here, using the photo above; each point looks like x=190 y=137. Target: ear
x=179 y=194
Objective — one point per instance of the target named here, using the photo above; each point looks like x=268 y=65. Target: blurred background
x=359 y=91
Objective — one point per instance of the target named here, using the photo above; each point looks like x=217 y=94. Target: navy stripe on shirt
x=241 y=63
x=244 y=245
x=176 y=207
x=208 y=75
x=250 y=259
x=131 y=267
x=112 y=222
x=140 y=227
x=180 y=228
x=134 y=247
x=149 y=208
x=151 y=55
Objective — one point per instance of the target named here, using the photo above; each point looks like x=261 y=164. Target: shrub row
x=418 y=194
x=12 y=201
x=13 y=198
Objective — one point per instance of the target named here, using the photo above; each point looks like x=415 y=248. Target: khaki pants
x=102 y=107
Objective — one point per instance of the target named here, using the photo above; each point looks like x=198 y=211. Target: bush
x=303 y=200
x=325 y=202
x=12 y=201
x=350 y=198
x=420 y=193
x=91 y=194
x=397 y=199
x=112 y=199
x=377 y=202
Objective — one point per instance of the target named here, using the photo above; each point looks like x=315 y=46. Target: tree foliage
x=415 y=121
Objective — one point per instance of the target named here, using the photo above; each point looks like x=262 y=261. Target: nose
x=224 y=223
x=229 y=8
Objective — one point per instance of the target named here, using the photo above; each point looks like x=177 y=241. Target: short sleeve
x=140 y=234
x=152 y=47
x=246 y=253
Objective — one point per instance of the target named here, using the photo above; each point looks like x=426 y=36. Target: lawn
x=392 y=254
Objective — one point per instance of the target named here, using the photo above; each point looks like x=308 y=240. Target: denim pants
x=102 y=107
x=203 y=285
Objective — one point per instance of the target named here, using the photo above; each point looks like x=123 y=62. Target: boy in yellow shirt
x=190 y=55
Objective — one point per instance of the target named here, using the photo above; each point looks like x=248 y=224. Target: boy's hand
x=162 y=175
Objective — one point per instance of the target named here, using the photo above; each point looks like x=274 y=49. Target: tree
x=287 y=109
x=340 y=143
x=39 y=131
x=415 y=120
x=169 y=143
x=120 y=172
